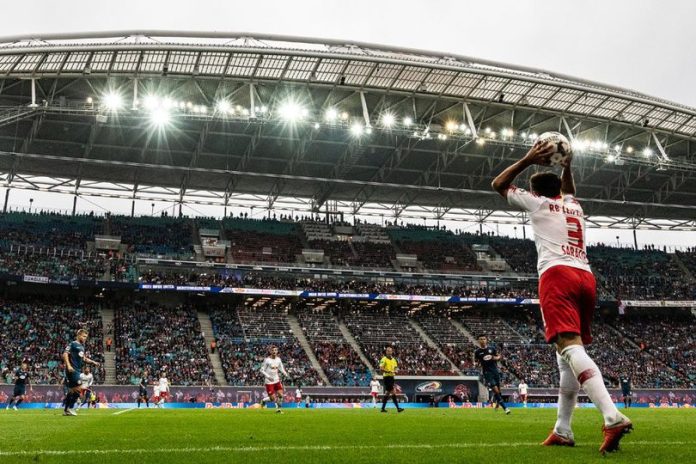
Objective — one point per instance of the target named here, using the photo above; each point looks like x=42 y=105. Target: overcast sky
x=642 y=45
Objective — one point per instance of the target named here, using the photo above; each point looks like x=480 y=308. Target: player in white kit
x=374 y=391
x=522 y=391
x=86 y=379
x=567 y=290
x=156 y=395
x=163 y=388
x=271 y=369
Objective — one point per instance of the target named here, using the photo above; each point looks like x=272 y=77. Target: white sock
x=588 y=375
x=567 y=398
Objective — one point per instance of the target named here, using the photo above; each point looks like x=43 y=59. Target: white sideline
x=123 y=412
x=262 y=449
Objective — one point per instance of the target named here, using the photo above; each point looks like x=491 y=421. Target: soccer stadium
x=232 y=193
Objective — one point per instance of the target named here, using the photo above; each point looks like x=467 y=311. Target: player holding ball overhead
x=567 y=288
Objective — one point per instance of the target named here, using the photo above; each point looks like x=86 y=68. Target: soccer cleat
x=555 y=439
x=613 y=435
x=383 y=410
x=72 y=412
x=278 y=411
x=399 y=409
x=507 y=411
x=14 y=407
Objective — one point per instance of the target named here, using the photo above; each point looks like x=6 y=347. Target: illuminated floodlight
x=451 y=126
x=316 y=125
x=507 y=132
x=647 y=152
x=223 y=106
x=90 y=100
x=487 y=130
x=579 y=145
x=629 y=149
x=356 y=129
x=262 y=110
x=442 y=136
x=160 y=117
x=408 y=121
x=189 y=105
x=151 y=102
x=344 y=116
x=168 y=103
x=368 y=130
x=617 y=147
x=331 y=114
x=611 y=158
x=533 y=136
x=112 y=101
x=492 y=135
x=292 y=111
x=203 y=109
x=481 y=141
x=523 y=135
x=388 y=119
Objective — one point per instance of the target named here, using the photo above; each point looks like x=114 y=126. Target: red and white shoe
x=555 y=439
x=613 y=435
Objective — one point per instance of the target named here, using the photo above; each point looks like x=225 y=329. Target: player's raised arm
x=538 y=154
x=567 y=182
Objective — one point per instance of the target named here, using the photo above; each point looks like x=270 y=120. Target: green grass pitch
x=327 y=436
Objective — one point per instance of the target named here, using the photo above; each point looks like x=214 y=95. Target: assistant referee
x=388 y=365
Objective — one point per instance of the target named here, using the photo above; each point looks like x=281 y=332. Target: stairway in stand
x=107 y=315
x=207 y=329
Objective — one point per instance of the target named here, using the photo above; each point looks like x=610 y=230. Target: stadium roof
x=304 y=124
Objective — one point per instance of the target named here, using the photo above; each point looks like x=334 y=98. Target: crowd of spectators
x=243 y=337
x=375 y=328
x=154 y=235
x=37 y=331
x=337 y=358
x=150 y=339
x=649 y=274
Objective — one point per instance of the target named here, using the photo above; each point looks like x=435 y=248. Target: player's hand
x=539 y=153
x=71 y=369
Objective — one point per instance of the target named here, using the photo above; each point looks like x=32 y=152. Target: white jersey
x=271 y=369
x=374 y=386
x=163 y=384
x=87 y=380
x=522 y=388
x=298 y=394
x=155 y=390
x=559 y=228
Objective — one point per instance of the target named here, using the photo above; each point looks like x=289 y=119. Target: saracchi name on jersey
x=559 y=228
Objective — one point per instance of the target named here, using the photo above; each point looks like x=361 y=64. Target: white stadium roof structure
x=299 y=124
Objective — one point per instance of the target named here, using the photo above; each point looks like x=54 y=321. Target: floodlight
x=316 y=125
x=151 y=102
x=408 y=121
x=388 y=119
x=223 y=106
x=451 y=126
x=112 y=101
x=160 y=117
x=481 y=141
x=629 y=149
x=330 y=114
x=356 y=129
x=368 y=130
x=292 y=111
x=647 y=152
x=344 y=115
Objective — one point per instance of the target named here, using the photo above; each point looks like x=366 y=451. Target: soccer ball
x=563 y=153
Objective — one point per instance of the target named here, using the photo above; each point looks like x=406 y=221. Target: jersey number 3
x=575 y=232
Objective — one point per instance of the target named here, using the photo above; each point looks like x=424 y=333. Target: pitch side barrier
x=452 y=299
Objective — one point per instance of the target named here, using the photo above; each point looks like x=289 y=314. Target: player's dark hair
x=546 y=184
x=482 y=336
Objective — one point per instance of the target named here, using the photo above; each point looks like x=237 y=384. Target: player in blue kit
x=21 y=377
x=73 y=357
x=488 y=358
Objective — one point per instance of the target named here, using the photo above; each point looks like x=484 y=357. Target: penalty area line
x=262 y=449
